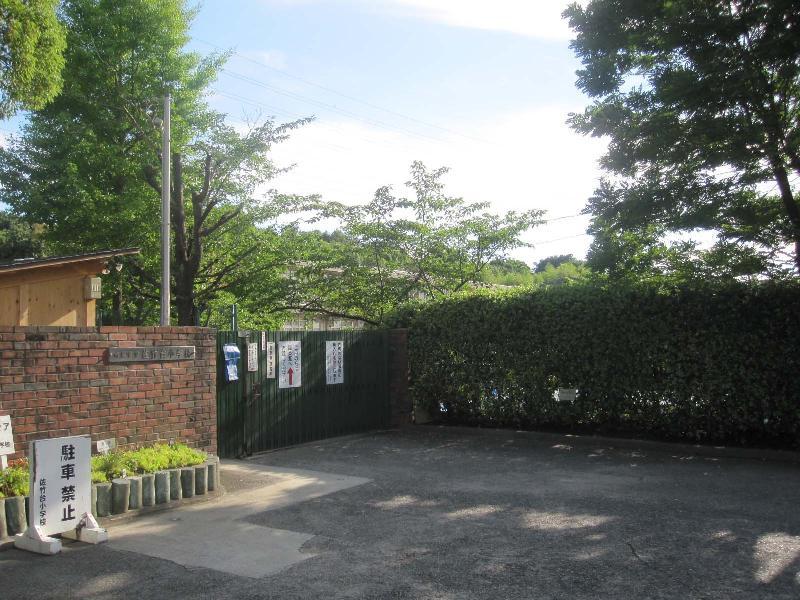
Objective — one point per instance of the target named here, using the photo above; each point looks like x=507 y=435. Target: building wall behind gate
x=56 y=381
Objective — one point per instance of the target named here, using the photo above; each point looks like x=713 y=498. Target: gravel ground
x=459 y=513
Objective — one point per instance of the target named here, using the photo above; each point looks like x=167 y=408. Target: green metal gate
x=253 y=414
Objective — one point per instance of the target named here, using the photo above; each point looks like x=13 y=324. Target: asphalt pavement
x=451 y=513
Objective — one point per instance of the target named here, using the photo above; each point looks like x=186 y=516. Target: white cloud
x=530 y=160
x=535 y=18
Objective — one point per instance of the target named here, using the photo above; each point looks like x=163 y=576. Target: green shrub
x=716 y=364
x=106 y=467
x=145 y=460
x=14 y=481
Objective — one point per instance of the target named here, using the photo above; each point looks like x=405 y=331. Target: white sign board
x=106 y=446
x=252 y=357
x=61 y=490
x=567 y=394
x=263 y=341
x=270 y=360
x=289 y=364
x=6 y=436
x=334 y=362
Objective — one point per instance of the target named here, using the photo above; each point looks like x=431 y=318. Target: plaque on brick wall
x=151 y=354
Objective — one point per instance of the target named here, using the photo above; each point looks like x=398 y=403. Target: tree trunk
x=790 y=204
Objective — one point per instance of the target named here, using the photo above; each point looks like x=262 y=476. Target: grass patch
x=106 y=467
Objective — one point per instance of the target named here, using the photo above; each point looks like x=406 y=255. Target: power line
x=325 y=105
x=289 y=114
x=346 y=96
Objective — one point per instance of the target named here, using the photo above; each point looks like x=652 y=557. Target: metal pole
x=165 y=214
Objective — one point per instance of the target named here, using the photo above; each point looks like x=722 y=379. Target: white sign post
x=61 y=495
x=334 y=362
x=6 y=440
x=289 y=364
x=270 y=352
x=252 y=357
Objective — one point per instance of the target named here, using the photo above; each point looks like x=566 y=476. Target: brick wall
x=56 y=381
x=399 y=397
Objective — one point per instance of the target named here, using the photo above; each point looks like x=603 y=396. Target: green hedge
x=709 y=364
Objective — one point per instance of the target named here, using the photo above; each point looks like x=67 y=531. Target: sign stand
x=60 y=491
x=88 y=531
x=34 y=540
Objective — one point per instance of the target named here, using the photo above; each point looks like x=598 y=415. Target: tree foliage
x=88 y=164
x=18 y=239
x=713 y=363
x=394 y=249
x=31 y=54
x=701 y=103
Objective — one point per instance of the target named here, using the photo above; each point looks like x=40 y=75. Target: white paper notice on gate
x=252 y=357
x=61 y=490
x=334 y=362
x=289 y=364
x=269 y=353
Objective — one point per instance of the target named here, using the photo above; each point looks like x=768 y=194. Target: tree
x=701 y=103
x=31 y=54
x=18 y=239
x=507 y=272
x=395 y=249
x=556 y=261
x=88 y=164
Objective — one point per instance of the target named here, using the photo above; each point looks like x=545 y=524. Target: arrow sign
x=289 y=364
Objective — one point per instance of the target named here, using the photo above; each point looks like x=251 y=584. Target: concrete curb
x=148 y=489
x=187 y=482
x=175 y=484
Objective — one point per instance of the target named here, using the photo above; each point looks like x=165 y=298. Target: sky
x=483 y=88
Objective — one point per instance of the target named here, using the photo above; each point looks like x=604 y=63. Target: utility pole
x=165 y=213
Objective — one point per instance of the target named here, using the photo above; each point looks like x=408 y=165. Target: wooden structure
x=60 y=290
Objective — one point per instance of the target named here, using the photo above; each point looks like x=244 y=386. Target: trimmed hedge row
x=703 y=364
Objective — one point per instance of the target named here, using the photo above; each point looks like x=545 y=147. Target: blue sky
x=481 y=87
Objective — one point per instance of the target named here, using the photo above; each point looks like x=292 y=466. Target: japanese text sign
x=289 y=364
x=270 y=361
x=61 y=490
x=334 y=362
x=252 y=357
x=6 y=435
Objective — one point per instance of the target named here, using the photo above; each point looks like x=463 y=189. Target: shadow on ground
x=488 y=514
x=455 y=513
